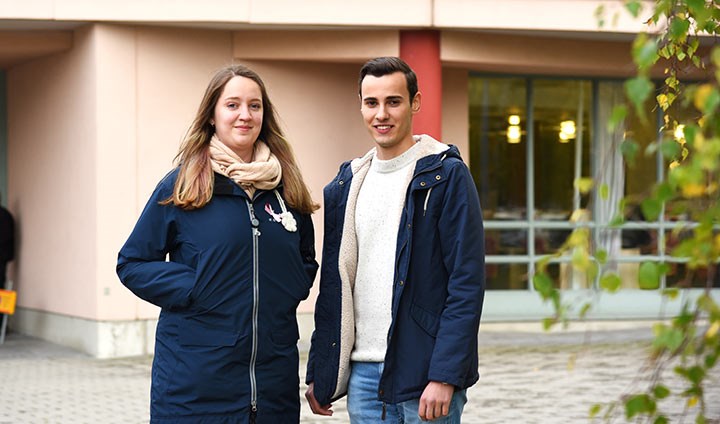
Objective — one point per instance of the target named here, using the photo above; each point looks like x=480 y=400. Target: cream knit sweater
x=377 y=217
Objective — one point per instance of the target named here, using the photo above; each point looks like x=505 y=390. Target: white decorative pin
x=285 y=217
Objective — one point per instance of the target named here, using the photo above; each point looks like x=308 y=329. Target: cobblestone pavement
x=525 y=377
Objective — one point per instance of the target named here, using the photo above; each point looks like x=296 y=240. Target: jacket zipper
x=256 y=295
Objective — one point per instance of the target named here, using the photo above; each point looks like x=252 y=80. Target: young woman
x=234 y=221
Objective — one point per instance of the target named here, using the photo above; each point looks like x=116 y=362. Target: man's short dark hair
x=381 y=66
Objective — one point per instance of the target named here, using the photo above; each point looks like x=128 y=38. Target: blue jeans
x=365 y=408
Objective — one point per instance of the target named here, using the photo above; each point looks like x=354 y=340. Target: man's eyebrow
x=387 y=98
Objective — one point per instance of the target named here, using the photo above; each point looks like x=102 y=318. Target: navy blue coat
x=438 y=286
x=227 y=328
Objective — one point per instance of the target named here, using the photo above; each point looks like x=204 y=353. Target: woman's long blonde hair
x=194 y=184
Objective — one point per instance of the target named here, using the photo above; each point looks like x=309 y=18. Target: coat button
x=402 y=283
x=341 y=182
x=380 y=392
x=437 y=177
x=422 y=184
x=334 y=344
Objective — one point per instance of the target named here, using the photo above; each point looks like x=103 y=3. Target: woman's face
x=239 y=115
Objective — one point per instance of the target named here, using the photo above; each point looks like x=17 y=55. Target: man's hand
x=314 y=405
x=435 y=401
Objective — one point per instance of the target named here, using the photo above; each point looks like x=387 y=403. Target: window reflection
x=506 y=276
x=562 y=145
x=681 y=276
x=642 y=172
x=498 y=138
x=506 y=242
x=556 y=139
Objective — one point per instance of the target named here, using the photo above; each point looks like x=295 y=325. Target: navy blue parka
x=226 y=339
x=438 y=287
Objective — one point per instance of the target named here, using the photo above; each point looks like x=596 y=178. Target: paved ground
x=526 y=377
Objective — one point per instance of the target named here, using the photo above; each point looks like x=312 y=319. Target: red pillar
x=421 y=50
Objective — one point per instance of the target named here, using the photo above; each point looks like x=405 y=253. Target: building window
x=531 y=138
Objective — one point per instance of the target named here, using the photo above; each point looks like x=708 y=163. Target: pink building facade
x=98 y=95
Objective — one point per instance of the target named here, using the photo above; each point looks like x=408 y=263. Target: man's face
x=387 y=111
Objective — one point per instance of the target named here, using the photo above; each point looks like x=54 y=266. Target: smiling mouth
x=383 y=127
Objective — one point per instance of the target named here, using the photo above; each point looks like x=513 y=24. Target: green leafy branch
x=677 y=42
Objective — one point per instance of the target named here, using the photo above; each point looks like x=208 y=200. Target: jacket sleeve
x=310 y=373
x=319 y=317
x=142 y=266
x=462 y=244
x=307 y=246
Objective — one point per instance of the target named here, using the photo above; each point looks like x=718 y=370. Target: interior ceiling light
x=568 y=128
x=513 y=134
x=563 y=138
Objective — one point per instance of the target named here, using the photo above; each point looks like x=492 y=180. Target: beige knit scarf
x=264 y=172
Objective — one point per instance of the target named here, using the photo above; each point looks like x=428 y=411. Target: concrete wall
x=536 y=54
x=51 y=168
x=95 y=124
x=549 y=15
x=91 y=131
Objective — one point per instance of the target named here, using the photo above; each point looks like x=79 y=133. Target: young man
x=402 y=280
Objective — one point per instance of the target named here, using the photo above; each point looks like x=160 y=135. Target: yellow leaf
x=584 y=185
x=674 y=164
x=713 y=330
x=701 y=95
x=580 y=258
x=578 y=237
x=691 y=190
x=692 y=401
x=580 y=215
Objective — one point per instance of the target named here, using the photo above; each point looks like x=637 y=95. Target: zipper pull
x=384 y=411
x=253 y=412
x=253 y=219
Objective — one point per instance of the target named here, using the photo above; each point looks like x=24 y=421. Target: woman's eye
x=256 y=106
x=232 y=105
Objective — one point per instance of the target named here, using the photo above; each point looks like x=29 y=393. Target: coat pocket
x=211 y=365
x=427 y=320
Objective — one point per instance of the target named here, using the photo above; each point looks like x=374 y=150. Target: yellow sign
x=7 y=301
